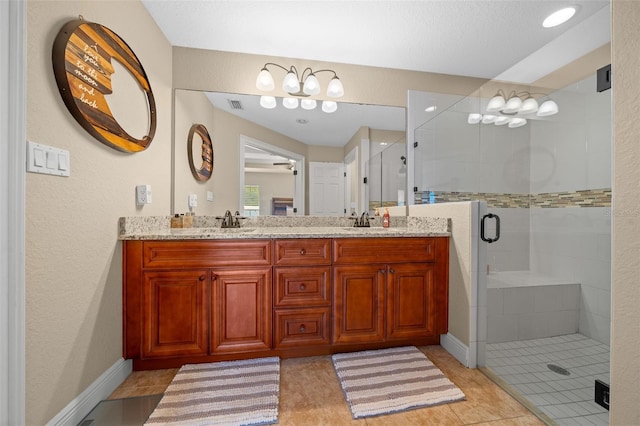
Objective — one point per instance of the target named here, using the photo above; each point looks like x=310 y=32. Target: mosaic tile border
x=580 y=198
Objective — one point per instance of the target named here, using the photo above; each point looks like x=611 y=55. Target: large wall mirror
x=280 y=161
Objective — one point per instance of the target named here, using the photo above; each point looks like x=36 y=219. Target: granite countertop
x=157 y=228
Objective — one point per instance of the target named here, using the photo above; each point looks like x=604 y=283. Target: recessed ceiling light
x=559 y=17
x=301 y=121
x=431 y=108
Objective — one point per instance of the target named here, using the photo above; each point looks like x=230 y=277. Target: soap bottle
x=385 y=218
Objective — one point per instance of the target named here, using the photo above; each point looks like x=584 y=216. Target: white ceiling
x=501 y=39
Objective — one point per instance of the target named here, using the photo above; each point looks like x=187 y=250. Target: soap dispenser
x=385 y=218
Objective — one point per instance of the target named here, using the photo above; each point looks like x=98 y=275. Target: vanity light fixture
x=303 y=85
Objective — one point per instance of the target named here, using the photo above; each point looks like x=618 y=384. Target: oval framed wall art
x=204 y=172
x=82 y=55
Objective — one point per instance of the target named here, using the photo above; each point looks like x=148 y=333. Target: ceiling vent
x=235 y=104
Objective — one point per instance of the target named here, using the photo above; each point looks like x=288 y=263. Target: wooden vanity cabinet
x=196 y=298
x=302 y=293
x=389 y=289
x=190 y=301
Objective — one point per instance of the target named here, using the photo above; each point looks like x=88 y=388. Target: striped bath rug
x=391 y=380
x=221 y=393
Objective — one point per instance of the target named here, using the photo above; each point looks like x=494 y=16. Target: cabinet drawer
x=302 y=252
x=383 y=250
x=301 y=327
x=179 y=254
x=302 y=286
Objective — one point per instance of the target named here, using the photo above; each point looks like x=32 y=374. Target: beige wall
x=73 y=257
x=625 y=309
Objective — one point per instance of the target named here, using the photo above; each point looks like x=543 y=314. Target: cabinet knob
x=302 y=328
x=303 y=287
x=393 y=271
x=383 y=271
x=303 y=252
x=213 y=276
x=202 y=277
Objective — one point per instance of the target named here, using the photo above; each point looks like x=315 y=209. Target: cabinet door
x=411 y=302
x=358 y=303
x=174 y=313
x=241 y=310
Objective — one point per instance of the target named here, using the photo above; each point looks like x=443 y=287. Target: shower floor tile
x=566 y=399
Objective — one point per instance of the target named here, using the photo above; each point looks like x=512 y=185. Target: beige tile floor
x=310 y=394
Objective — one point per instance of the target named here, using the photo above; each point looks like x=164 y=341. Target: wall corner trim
x=100 y=389
x=455 y=347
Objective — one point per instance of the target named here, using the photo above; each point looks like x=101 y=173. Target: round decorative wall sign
x=82 y=54
x=203 y=173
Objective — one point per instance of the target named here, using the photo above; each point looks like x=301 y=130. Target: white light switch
x=38 y=157
x=209 y=195
x=62 y=162
x=48 y=160
x=52 y=160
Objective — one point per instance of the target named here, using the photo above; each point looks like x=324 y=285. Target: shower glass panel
x=387 y=175
x=548 y=287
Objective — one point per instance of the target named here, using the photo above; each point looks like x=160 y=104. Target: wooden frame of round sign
x=82 y=53
x=205 y=171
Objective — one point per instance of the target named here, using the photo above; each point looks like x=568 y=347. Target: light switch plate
x=48 y=160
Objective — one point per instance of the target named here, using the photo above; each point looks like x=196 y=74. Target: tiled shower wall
x=550 y=183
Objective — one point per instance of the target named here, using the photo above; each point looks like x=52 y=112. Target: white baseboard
x=455 y=347
x=99 y=390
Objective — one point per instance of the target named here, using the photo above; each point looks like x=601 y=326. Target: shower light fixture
x=520 y=103
x=303 y=85
x=500 y=120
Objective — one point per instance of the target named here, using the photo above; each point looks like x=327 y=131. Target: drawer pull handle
x=303 y=252
x=302 y=328
x=303 y=287
x=202 y=277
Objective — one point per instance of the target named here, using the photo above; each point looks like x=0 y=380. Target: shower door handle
x=482 y=235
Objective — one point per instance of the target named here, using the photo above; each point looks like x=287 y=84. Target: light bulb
x=495 y=104
x=488 y=119
x=308 y=103
x=264 y=81
x=547 y=108
x=474 y=118
x=329 y=106
x=517 y=122
x=290 y=83
x=500 y=121
x=529 y=105
x=290 y=103
x=513 y=105
x=311 y=85
x=268 y=102
x=335 y=88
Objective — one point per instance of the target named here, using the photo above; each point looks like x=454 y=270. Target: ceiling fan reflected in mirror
x=291 y=164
